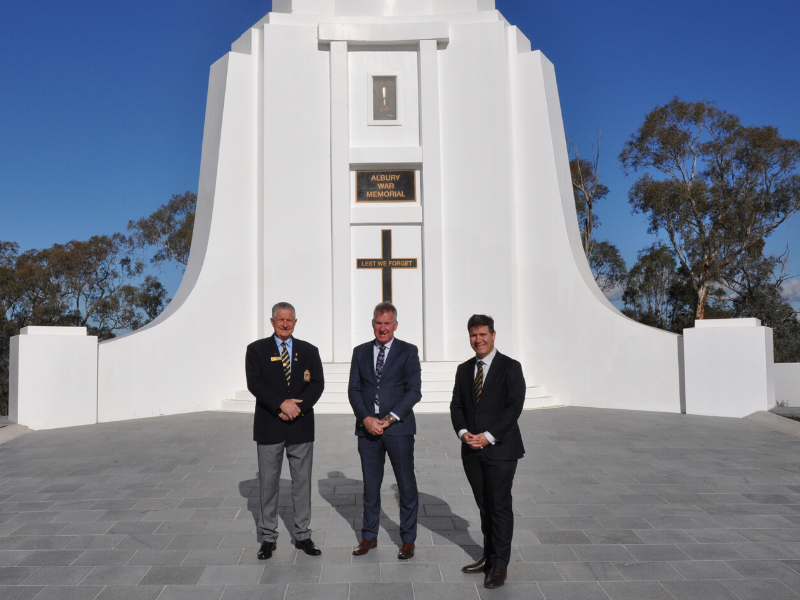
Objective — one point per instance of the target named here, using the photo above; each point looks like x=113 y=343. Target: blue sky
x=102 y=103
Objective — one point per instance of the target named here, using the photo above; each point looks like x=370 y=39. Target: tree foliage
x=717 y=188
x=648 y=285
x=169 y=229
x=100 y=283
x=756 y=283
x=607 y=265
x=604 y=258
x=587 y=190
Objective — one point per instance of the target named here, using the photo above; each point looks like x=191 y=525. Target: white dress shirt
x=487 y=362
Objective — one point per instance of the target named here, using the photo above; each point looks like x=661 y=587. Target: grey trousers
x=270 y=461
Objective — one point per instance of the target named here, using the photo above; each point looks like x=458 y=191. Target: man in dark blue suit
x=488 y=397
x=385 y=384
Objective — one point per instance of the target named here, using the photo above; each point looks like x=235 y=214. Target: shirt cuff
x=395 y=416
x=489 y=437
x=462 y=432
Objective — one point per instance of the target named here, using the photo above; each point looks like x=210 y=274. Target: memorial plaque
x=386 y=186
x=384 y=98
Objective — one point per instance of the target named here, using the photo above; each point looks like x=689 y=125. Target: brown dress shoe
x=479 y=566
x=495 y=578
x=407 y=551
x=364 y=547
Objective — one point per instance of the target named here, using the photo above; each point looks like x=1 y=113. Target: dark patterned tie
x=287 y=364
x=379 y=371
x=479 y=382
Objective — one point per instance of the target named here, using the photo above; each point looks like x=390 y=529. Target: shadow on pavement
x=337 y=489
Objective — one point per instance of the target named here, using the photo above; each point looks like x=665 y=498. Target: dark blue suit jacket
x=400 y=387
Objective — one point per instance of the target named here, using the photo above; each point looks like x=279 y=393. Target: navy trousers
x=373 y=451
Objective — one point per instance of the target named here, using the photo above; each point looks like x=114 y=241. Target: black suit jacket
x=400 y=387
x=498 y=411
x=267 y=382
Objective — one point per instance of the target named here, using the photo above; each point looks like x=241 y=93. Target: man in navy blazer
x=285 y=375
x=385 y=384
x=488 y=397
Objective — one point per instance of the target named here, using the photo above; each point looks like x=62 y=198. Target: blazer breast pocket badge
x=307 y=376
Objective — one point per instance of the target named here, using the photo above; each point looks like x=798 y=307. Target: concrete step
x=436 y=398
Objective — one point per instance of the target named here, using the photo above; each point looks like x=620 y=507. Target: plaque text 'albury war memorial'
x=386 y=186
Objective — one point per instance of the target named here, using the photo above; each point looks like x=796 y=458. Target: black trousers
x=491 y=482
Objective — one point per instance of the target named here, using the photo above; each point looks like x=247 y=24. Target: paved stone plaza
x=610 y=504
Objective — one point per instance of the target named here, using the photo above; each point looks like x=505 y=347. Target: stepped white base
x=437 y=391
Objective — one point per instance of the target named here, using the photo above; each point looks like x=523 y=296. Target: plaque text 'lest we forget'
x=386 y=186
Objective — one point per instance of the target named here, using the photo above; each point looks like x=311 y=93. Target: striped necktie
x=379 y=372
x=287 y=364
x=479 y=382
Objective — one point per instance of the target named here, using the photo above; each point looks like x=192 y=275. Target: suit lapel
x=367 y=360
x=293 y=361
x=390 y=358
x=471 y=379
x=272 y=350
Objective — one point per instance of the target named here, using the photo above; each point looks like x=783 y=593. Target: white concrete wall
x=192 y=355
x=787 y=383
x=477 y=201
x=53 y=377
x=729 y=368
x=572 y=340
x=275 y=212
x=296 y=222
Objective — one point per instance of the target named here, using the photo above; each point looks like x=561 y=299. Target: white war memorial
x=357 y=151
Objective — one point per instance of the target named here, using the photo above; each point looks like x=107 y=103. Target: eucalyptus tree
x=604 y=258
x=715 y=187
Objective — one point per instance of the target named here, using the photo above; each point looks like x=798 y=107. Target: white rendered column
x=340 y=202
x=53 y=377
x=432 y=270
x=729 y=367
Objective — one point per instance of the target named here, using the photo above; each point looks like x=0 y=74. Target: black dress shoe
x=495 y=578
x=308 y=547
x=266 y=550
x=479 y=566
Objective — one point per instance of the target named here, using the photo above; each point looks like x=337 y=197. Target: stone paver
x=614 y=505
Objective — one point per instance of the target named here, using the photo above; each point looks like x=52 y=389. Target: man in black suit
x=385 y=382
x=487 y=401
x=285 y=375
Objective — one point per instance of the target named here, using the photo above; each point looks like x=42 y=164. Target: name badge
x=274 y=358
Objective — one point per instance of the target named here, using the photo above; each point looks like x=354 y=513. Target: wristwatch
x=390 y=419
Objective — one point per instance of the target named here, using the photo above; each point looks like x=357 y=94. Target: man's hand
x=475 y=441
x=375 y=426
x=290 y=409
x=479 y=442
x=283 y=417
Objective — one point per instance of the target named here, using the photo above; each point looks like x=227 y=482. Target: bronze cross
x=386 y=263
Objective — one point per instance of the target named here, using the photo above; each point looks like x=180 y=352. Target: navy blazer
x=502 y=399
x=267 y=382
x=400 y=387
